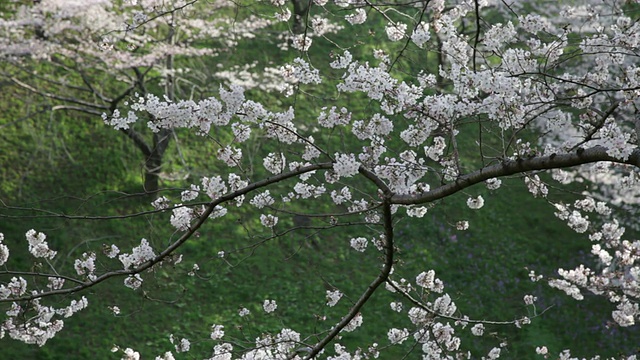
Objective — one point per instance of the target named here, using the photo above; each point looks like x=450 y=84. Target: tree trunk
x=153 y=162
x=300 y=11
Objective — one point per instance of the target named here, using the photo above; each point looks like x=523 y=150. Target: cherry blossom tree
x=459 y=96
x=98 y=54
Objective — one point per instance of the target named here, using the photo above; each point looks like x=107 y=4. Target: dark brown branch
x=180 y=241
x=31 y=273
x=139 y=141
x=476 y=39
x=597 y=126
x=379 y=280
x=374 y=178
x=511 y=167
x=93 y=90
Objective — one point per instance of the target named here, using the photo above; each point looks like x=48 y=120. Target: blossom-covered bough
x=549 y=98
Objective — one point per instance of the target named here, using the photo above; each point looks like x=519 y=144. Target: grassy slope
x=484 y=267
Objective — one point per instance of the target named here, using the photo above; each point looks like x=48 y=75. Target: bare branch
x=57 y=97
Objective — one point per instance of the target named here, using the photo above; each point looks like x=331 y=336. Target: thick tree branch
x=139 y=141
x=511 y=167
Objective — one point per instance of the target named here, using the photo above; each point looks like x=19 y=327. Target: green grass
x=484 y=268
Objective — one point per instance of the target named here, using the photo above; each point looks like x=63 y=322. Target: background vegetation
x=65 y=163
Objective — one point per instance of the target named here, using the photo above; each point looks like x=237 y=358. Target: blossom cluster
x=38 y=247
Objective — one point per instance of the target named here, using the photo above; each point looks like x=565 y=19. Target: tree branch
x=510 y=167
x=76 y=108
x=138 y=140
x=32 y=273
x=186 y=236
x=57 y=97
x=379 y=280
